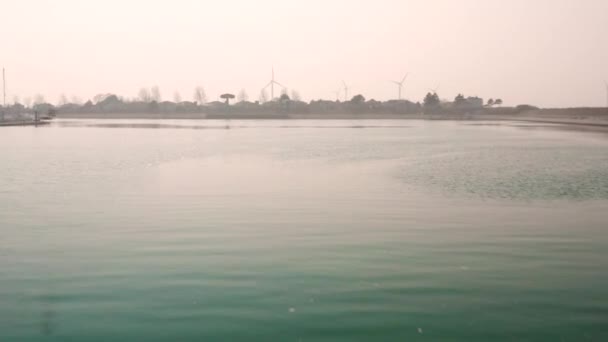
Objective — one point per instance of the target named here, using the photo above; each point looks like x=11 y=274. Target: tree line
x=150 y=100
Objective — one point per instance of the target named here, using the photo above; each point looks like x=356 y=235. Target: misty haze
x=304 y=171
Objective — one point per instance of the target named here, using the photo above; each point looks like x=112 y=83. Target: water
x=303 y=231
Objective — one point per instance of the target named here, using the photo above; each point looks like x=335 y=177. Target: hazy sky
x=543 y=52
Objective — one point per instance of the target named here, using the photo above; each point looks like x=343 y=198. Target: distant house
x=246 y=105
x=324 y=106
x=374 y=105
x=186 y=107
x=475 y=102
x=467 y=104
x=299 y=107
x=400 y=107
x=271 y=105
x=167 y=107
x=216 y=104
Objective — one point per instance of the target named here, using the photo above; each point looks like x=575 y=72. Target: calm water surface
x=142 y=230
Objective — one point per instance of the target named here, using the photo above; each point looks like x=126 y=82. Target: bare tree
x=295 y=95
x=16 y=99
x=155 y=94
x=144 y=95
x=63 y=100
x=27 y=102
x=200 y=96
x=243 y=96
x=177 y=98
x=76 y=100
x=284 y=92
x=39 y=99
x=100 y=97
x=263 y=96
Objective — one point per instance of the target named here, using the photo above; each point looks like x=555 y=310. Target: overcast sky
x=543 y=52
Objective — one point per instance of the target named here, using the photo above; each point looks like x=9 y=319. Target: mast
x=3 y=95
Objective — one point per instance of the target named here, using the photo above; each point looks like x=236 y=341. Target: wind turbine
x=345 y=91
x=434 y=91
x=271 y=85
x=337 y=92
x=400 y=84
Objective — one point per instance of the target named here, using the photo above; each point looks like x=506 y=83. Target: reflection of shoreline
x=597 y=122
x=246 y=116
x=23 y=123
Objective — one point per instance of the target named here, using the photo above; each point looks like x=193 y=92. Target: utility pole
x=606 y=83
x=345 y=91
x=3 y=94
x=272 y=86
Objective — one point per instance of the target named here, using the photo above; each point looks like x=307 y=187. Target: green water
x=302 y=231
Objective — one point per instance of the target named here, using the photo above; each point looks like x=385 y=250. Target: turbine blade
x=405 y=77
x=275 y=82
